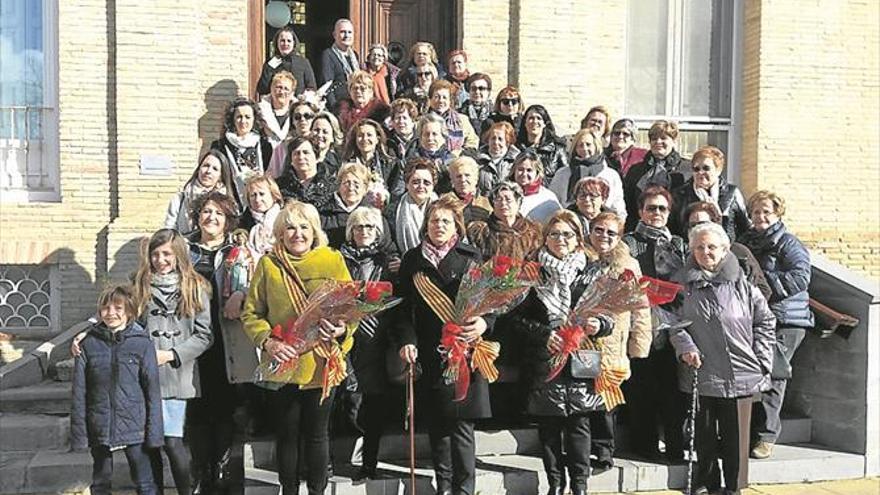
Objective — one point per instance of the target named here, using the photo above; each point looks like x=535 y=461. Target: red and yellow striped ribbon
x=485 y=352
x=608 y=382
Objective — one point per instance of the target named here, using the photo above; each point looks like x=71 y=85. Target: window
x=28 y=101
x=682 y=64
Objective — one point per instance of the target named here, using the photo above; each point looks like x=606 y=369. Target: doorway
x=375 y=21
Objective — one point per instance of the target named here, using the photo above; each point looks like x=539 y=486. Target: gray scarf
x=559 y=276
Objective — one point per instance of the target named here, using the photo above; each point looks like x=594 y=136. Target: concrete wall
x=836 y=380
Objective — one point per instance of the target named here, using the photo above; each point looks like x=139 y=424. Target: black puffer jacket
x=786 y=265
x=734 y=217
x=116 y=392
x=371 y=340
x=564 y=395
x=552 y=154
x=671 y=173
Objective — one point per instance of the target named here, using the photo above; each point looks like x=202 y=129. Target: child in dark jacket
x=116 y=393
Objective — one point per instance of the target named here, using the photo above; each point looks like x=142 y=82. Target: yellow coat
x=268 y=304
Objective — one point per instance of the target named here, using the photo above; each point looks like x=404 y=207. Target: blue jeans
x=766 y=420
x=138 y=465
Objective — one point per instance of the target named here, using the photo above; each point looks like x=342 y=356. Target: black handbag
x=586 y=363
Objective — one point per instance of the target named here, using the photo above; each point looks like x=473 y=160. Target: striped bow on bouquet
x=494 y=286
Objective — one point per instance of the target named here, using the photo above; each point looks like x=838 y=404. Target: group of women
x=396 y=184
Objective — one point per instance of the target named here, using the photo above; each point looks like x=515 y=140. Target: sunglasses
x=702 y=168
x=303 y=116
x=603 y=231
x=622 y=134
x=588 y=195
x=654 y=208
x=510 y=101
x=480 y=88
x=560 y=236
x=424 y=74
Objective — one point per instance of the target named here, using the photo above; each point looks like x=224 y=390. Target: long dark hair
x=549 y=131
x=225 y=169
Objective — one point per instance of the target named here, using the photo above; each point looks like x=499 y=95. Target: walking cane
x=692 y=427
x=410 y=411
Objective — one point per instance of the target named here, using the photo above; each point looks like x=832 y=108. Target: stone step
x=33 y=432
x=60 y=472
x=394 y=446
x=48 y=397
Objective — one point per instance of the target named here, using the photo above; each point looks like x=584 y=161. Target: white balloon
x=277 y=14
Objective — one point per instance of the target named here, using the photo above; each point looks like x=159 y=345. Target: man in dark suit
x=338 y=62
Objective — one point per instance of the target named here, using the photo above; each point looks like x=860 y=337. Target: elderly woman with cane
x=731 y=342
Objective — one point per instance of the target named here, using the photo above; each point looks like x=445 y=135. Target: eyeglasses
x=622 y=134
x=365 y=228
x=504 y=199
x=660 y=208
x=422 y=182
x=510 y=101
x=480 y=88
x=354 y=184
x=702 y=168
x=303 y=116
x=588 y=195
x=560 y=236
x=424 y=74
x=603 y=231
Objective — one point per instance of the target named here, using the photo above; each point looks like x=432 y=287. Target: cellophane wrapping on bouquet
x=348 y=301
x=492 y=287
x=609 y=296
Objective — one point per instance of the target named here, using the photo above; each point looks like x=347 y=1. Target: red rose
x=502 y=265
x=376 y=290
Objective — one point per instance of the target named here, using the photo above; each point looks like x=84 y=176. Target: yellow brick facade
x=810 y=98
x=152 y=78
x=145 y=78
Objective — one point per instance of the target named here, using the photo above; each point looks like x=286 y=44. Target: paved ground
x=846 y=487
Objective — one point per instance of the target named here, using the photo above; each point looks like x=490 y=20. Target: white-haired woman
x=731 y=343
x=367 y=259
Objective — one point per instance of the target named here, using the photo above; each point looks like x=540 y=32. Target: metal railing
x=24 y=164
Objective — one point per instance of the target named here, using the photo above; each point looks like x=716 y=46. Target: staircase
x=35 y=457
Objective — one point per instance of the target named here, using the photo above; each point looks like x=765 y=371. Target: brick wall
x=812 y=107
x=143 y=78
x=811 y=98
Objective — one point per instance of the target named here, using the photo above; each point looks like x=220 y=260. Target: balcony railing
x=27 y=164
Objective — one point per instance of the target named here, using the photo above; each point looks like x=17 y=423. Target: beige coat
x=631 y=337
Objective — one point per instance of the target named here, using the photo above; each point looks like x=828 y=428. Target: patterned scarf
x=559 y=275
x=435 y=254
x=262 y=235
x=455 y=140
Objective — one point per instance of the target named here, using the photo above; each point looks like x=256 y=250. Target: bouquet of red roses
x=349 y=301
x=494 y=286
x=608 y=296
